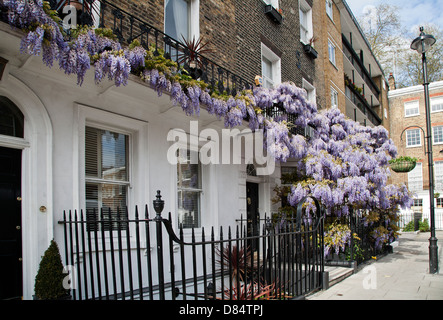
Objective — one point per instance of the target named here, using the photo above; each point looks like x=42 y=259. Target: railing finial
x=158 y=204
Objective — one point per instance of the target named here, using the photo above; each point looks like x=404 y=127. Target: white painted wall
x=56 y=110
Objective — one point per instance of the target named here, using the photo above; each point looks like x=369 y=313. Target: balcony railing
x=127 y=27
x=362 y=105
x=352 y=56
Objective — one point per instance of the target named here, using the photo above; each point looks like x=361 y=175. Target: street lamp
x=422 y=44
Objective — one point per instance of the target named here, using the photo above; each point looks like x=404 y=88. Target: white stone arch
x=37 y=202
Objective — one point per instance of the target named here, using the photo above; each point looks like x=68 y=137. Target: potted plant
x=191 y=55
x=50 y=276
x=309 y=48
x=403 y=164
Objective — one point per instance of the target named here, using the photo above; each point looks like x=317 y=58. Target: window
x=413 y=138
x=417 y=203
x=306 y=30
x=415 y=178
x=439 y=202
x=411 y=108
x=274 y=3
x=11 y=119
x=437 y=134
x=334 y=98
x=310 y=90
x=182 y=19
x=329 y=9
x=271 y=68
x=437 y=104
x=267 y=73
x=177 y=19
x=188 y=191
x=106 y=175
x=92 y=15
x=438 y=175
x=331 y=50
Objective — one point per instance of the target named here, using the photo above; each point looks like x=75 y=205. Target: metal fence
x=361 y=245
x=410 y=220
x=145 y=259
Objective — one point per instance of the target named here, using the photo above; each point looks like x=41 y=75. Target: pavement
x=401 y=275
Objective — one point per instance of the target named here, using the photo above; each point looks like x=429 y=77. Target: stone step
x=337 y=274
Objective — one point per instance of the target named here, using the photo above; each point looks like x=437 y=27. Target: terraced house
x=71 y=139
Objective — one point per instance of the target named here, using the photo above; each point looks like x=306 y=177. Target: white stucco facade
x=56 y=111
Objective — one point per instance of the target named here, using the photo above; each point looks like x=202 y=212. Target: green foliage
x=49 y=279
x=403 y=158
x=423 y=226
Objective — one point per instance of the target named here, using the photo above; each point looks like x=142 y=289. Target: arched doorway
x=11 y=268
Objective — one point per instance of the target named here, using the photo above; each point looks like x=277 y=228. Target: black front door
x=10 y=224
x=253 y=215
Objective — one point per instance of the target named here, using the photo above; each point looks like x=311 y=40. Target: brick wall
x=401 y=122
x=384 y=103
x=235 y=30
x=254 y=27
x=328 y=74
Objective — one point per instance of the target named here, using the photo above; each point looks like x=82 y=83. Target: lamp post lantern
x=422 y=44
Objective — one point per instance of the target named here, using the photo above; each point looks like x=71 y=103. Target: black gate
x=109 y=256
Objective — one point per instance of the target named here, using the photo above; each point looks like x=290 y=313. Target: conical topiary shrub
x=49 y=279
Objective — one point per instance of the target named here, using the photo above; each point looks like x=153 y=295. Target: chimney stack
x=391 y=81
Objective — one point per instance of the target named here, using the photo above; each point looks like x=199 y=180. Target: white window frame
x=276 y=66
x=334 y=98
x=137 y=130
x=330 y=9
x=198 y=190
x=415 y=178
x=435 y=134
x=438 y=175
x=274 y=3
x=412 y=108
x=437 y=102
x=407 y=140
x=310 y=89
x=306 y=31
x=332 y=52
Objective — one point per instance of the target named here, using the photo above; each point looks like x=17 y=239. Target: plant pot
x=403 y=166
x=272 y=13
x=310 y=51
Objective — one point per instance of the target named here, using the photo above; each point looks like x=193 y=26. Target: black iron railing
x=147 y=260
x=128 y=27
x=352 y=56
x=362 y=105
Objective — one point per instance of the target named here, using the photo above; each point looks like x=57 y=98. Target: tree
x=382 y=28
x=410 y=62
x=391 y=46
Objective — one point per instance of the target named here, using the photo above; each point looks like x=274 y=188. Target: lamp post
x=422 y=44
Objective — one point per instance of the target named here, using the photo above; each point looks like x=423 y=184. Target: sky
x=413 y=13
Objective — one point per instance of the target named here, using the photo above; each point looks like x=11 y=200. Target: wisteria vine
x=344 y=165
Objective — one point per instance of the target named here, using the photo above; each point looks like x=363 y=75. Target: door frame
x=36 y=182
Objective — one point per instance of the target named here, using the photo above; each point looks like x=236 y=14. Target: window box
x=310 y=51
x=273 y=13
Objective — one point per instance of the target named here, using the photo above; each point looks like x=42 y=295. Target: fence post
x=158 y=207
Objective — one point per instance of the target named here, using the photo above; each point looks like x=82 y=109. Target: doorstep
x=337 y=274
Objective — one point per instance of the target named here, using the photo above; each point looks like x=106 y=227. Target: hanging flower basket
x=403 y=164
